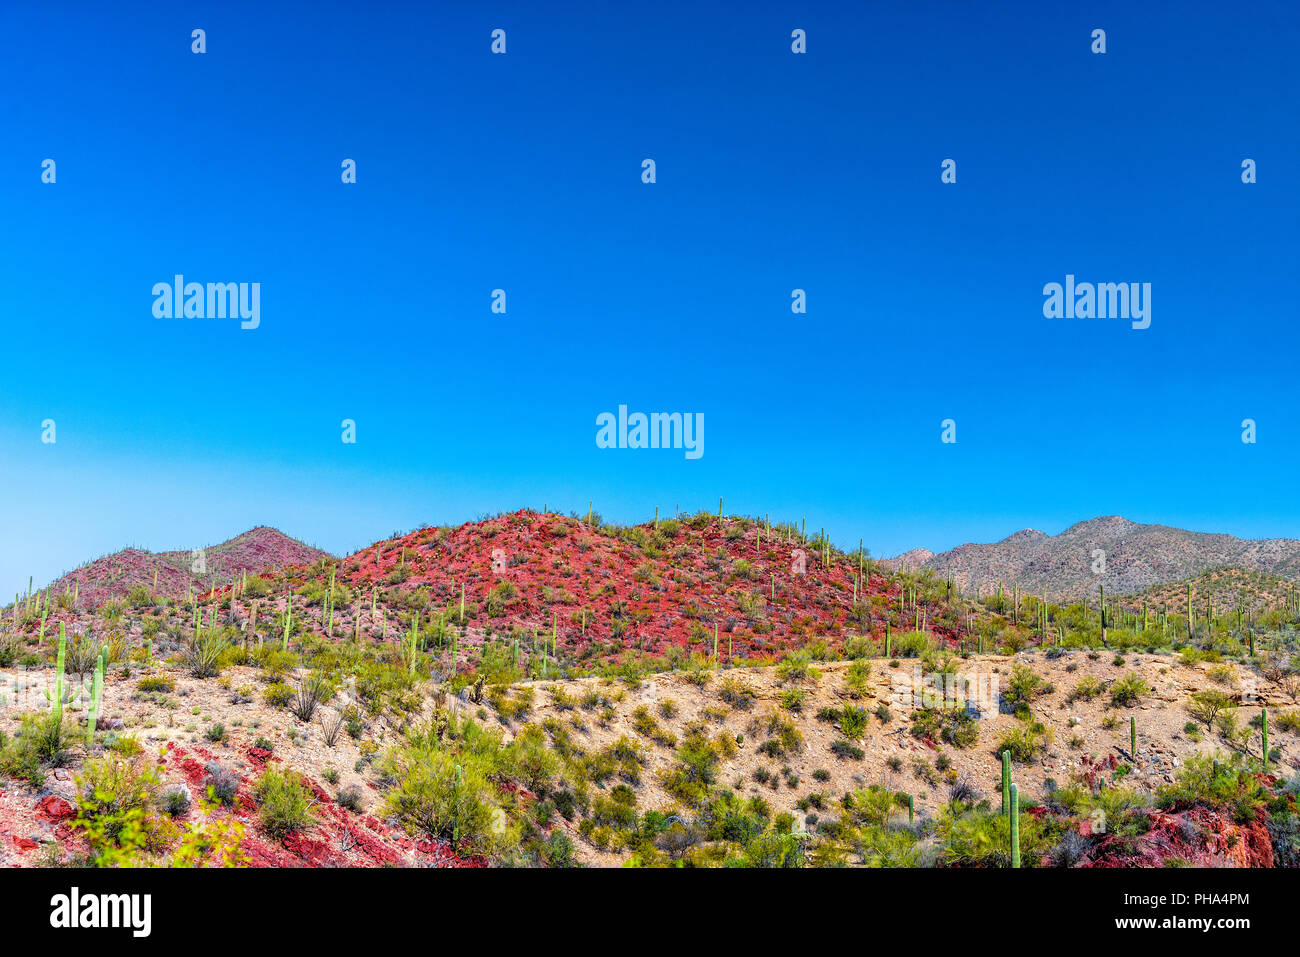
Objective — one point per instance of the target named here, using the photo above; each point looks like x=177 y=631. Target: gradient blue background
x=522 y=171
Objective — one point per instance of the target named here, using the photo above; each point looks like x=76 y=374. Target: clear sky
x=522 y=171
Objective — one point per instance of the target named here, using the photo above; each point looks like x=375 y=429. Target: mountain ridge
x=111 y=577
x=1133 y=557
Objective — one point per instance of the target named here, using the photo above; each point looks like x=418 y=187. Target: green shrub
x=446 y=796
x=1128 y=690
x=284 y=803
x=1026 y=742
x=277 y=694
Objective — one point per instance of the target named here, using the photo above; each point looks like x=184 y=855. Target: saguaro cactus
x=1133 y=738
x=1006 y=782
x=57 y=701
x=288 y=622
x=1015 y=826
x=96 y=693
x=1263 y=729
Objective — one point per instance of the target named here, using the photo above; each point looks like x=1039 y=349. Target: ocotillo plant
x=1015 y=826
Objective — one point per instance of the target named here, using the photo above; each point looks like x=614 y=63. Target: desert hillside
x=1137 y=557
x=179 y=574
x=543 y=690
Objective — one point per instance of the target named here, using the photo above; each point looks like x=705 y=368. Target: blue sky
x=775 y=171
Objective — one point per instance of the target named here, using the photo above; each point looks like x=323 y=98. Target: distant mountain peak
x=1136 y=557
x=172 y=573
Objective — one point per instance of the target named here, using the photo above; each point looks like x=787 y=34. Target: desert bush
x=314 y=688
x=797 y=667
x=1128 y=690
x=1207 y=705
x=203 y=656
x=855 y=678
x=284 y=803
x=175 y=801
x=845 y=750
x=1204 y=781
x=114 y=791
x=80 y=654
x=955 y=726
x=737 y=694
x=1026 y=742
x=691 y=777
x=41 y=741
x=350 y=798
x=221 y=784
x=446 y=796
x=1025 y=685
x=1087 y=689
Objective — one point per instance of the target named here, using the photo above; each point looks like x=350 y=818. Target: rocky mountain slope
x=178 y=573
x=1137 y=557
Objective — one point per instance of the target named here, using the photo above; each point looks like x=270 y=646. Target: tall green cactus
x=60 y=658
x=412 y=649
x=1263 y=729
x=96 y=692
x=1133 y=738
x=1006 y=782
x=288 y=622
x=329 y=628
x=1015 y=826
